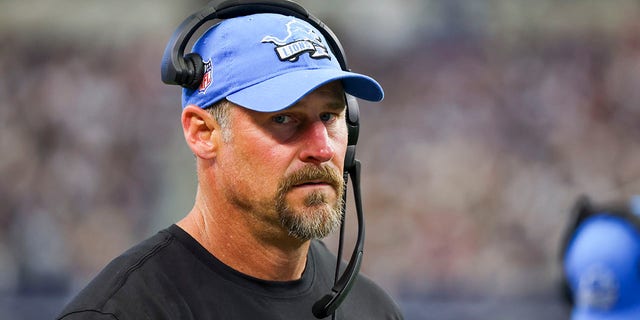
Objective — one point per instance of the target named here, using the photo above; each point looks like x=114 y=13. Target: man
x=600 y=260
x=267 y=127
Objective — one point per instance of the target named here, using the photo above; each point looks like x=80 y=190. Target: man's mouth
x=313 y=183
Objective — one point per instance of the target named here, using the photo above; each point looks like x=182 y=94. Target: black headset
x=188 y=70
x=582 y=210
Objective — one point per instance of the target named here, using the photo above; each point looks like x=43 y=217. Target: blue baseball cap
x=602 y=269
x=267 y=62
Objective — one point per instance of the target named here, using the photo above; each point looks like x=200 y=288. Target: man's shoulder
x=368 y=294
x=126 y=276
x=368 y=300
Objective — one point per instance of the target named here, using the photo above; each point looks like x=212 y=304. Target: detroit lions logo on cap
x=300 y=39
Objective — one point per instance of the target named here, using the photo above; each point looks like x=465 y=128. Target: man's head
x=268 y=121
x=601 y=262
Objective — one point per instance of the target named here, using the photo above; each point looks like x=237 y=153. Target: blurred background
x=497 y=115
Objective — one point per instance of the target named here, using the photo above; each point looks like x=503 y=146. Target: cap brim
x=284 y=90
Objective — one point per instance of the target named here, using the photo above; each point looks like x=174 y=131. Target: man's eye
x=282 y=119
x=326 y=117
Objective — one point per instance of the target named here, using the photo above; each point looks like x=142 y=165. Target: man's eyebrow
x=337 y=105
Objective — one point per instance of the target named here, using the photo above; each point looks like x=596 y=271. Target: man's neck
x=243 y=246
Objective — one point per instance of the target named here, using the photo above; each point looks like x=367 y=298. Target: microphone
x=328 y=304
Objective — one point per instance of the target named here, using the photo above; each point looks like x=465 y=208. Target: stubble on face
x=318 y=218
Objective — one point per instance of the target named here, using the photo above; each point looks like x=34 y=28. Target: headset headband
x=584 y=209
x=177 y=70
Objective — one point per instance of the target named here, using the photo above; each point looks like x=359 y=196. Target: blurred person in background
x=601 y=260
x=265 y=113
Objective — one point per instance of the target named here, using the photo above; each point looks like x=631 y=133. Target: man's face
x=285 y=168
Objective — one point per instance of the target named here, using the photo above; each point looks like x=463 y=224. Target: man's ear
x=201 y=131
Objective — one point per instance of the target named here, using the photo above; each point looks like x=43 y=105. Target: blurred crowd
x=471 y=163
x=481 y=148
x=80 y=128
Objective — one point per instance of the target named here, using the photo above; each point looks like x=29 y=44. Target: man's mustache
x=315 y=174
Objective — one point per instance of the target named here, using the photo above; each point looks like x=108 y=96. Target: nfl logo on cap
x=207 y=77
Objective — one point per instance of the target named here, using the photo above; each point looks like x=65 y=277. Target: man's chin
x=310 y=222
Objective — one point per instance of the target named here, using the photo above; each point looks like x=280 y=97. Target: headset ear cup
x=353 y=127
x=353 y=119
x=195 y=66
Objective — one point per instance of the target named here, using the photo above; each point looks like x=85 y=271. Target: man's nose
x=317 y=145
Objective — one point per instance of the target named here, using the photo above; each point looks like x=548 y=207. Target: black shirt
x=171 y=276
